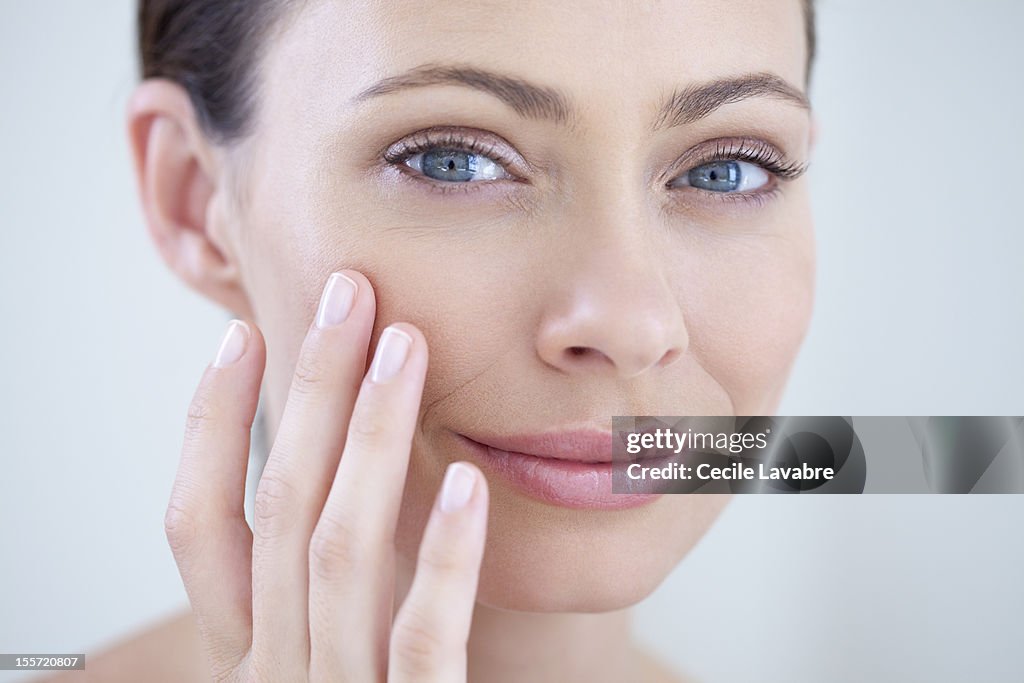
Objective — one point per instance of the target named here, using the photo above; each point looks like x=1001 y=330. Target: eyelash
x=433 y=138
x=765 y=155
x=759 y=152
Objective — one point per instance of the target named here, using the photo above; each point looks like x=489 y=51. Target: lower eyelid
x=694 y=196
x=442 y=188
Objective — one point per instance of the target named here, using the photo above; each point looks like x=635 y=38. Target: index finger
x=352 y=548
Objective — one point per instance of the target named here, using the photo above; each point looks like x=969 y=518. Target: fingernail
x=233 y=345
x=389 y=358
x=336 y=301
x=457 y=488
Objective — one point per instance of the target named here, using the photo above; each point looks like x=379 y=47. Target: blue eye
x=456 y=165
x=726 y=175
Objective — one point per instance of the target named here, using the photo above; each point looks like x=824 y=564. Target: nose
x=612 y=312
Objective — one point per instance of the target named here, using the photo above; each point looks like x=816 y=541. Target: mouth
x=570 y=469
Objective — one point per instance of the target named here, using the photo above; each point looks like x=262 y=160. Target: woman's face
x=559 y=237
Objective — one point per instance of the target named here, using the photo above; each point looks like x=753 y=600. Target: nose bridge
x=614 y=308
x=614 y=227
x=615 y=264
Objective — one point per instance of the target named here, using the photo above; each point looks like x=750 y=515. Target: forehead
x=598 y=51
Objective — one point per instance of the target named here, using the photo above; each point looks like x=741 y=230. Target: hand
x=307 y=594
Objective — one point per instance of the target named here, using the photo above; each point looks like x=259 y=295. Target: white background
x=920 y=310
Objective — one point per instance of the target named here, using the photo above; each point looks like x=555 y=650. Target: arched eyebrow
x=530 y=100
x=694 y=102
x=526 y=99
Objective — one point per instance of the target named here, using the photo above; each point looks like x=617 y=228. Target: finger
x=300 y=467
x=428 y=642
x=351 y=553
x=205 y=520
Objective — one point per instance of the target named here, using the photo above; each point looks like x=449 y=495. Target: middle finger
x=300 y=467
x=352 y=549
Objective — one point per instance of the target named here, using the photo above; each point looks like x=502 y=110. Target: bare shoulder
x=653 y=670
x=169 y=650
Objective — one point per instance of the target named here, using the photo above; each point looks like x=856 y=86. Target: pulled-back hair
x=210 y=47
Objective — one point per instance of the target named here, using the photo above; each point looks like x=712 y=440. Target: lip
x=571 y=469
x=579 y=445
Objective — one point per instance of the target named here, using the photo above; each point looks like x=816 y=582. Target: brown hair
x=811 y=33
x=210 y=46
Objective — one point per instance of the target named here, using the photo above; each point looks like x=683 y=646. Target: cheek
x=452 y=280
x=748 y=314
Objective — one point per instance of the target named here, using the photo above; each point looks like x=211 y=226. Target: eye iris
x=449 y=164
x=720 y=176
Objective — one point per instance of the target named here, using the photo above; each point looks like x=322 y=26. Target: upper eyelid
x=752 y=150
x=496 y=147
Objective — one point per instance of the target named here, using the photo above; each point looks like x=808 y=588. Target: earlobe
x=177 y=171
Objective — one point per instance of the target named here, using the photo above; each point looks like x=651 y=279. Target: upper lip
x=579 y=445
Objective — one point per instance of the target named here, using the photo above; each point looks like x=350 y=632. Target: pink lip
x=570 y=469
x=581 y=445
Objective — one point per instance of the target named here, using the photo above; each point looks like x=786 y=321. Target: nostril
x=577 y=350
x=669 y=357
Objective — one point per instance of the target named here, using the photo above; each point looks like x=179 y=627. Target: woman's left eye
x=456 y=166
x=726 y=175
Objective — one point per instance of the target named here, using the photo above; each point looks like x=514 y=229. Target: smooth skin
x=587 y=286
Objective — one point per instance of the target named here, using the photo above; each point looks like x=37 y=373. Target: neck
x=509 y=646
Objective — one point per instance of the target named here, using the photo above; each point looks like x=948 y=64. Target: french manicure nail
x=392 y=350
x=233 y=345
x=457 y=488
x=336 y=301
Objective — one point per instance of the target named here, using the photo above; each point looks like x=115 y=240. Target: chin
x=540 y=558
x=544 y=557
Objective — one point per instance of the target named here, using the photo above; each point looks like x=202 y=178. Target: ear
x=179 y=177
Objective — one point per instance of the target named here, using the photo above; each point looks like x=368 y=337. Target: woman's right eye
x=456 y=166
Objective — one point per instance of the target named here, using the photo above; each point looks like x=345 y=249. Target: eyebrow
x=697 y=101
x=529 y=100
x=526 y=99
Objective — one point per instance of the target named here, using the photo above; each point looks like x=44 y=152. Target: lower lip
x=565 y=483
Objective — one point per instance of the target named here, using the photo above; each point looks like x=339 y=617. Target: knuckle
x=309 y=373
x=180 y=527
x=369 y=429
x=199 y=416
x=417 y=648
x=260 y=667
x=334 y=549
x=226 y=664
x=276 y=497
x=218 y=675
x=441 y=562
